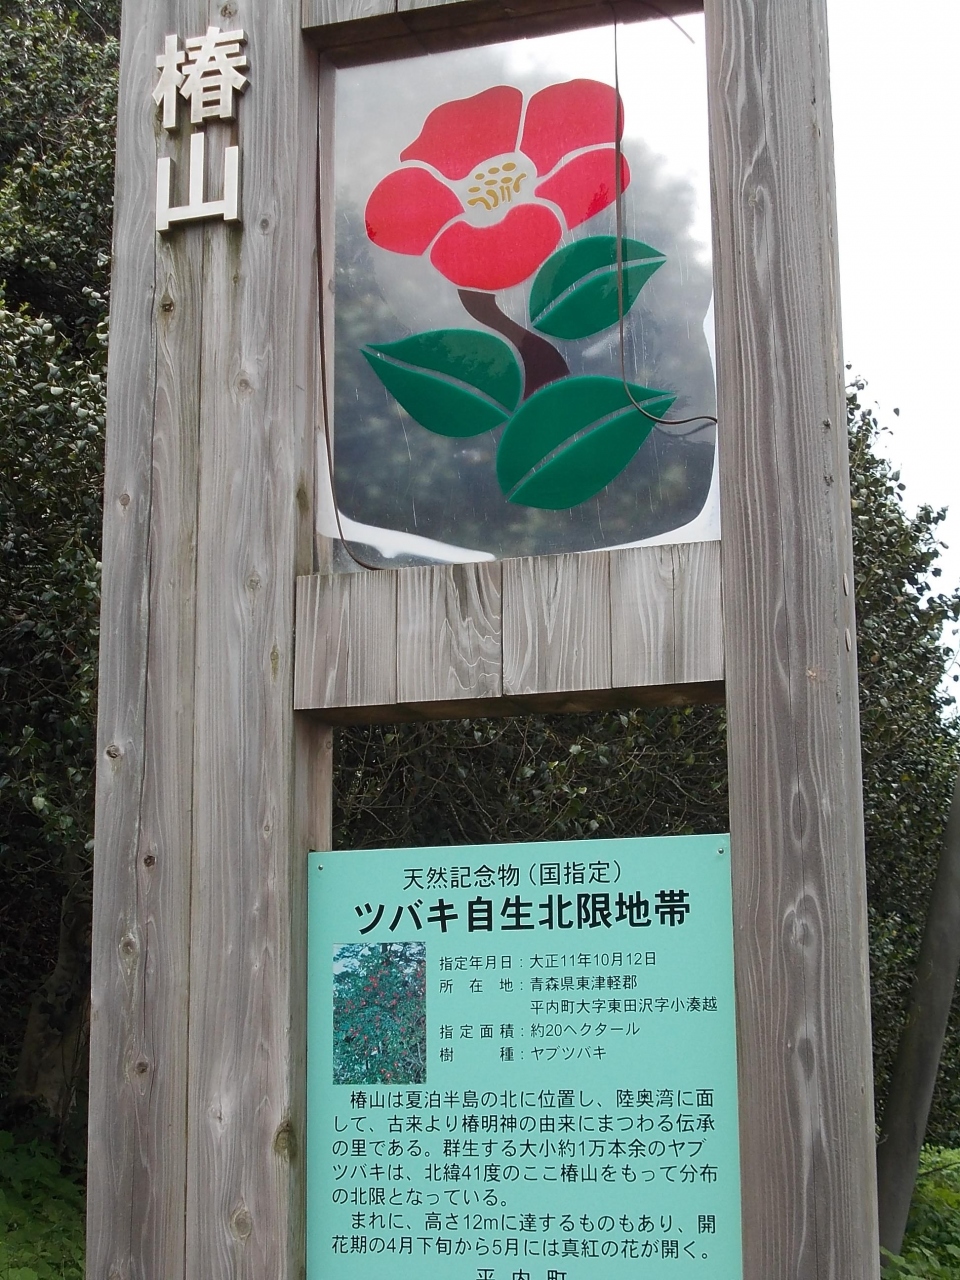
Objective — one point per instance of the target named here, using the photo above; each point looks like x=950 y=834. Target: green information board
x=522 y=1063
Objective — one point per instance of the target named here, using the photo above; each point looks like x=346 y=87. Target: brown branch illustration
x=542 y=363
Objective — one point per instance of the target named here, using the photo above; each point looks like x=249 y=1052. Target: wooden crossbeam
x=350 y=31
x=544 y=633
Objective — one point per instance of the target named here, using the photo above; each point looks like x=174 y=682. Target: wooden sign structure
x=216 y=698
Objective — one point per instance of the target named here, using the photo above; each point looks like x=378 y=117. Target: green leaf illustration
x=574 y=293
x=455 y=382
x=571 y=438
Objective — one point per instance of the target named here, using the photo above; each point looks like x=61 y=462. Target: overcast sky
x=896 y=118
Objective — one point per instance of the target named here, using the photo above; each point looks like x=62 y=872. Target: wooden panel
x=643 y=638
x=347 y=34
x=697 y=612
x=313 y=825
x=665 y=607
x=448 y=633
x=809 y=1206
x=556 y=623
x=347 y=640
x=325 y=507
x=137 y=1102
x=433 y=641
x=321 y=12
x=404 y=5
x=244 y=1196
x=166 y=801
x=194 y=1133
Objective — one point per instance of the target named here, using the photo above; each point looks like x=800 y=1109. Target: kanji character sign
x=207 y=74
x=211 y=74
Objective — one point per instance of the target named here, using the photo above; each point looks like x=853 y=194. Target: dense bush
x=57 y=104
x=41 y=1214
x=931 y=1247
x=910 y=741
x=379 y=1013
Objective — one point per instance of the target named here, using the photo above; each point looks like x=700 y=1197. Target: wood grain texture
x=697 y=612
x=321 y=12
x=325 y=517
x=208 y=792
x=448 y=633
x=643 y=629
x=244 y=1205
x=346 y=640
x=313 y=824
x=404 y=5
x=137 y=1104
x=665 y=611
x=809 y=1200
x=348 y=33
x=167 y=801
x=570 y=632
x=556 y=623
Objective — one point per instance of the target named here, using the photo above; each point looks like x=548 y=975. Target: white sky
x=896 y=126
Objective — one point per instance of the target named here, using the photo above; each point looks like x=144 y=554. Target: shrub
x=931 y=1247
x=41 y=1214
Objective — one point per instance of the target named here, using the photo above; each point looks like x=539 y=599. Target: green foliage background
x=57 y=108
x=642 y=772
x=41 y=1214
x=931 y=1248
x=909 y=742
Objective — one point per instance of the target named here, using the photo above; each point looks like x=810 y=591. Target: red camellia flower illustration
x=489 y=188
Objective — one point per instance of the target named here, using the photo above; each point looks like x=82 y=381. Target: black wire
x=706 y=418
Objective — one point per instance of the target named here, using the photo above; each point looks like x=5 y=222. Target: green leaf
x=455 y=382
x=574 y=293
x=571 y=438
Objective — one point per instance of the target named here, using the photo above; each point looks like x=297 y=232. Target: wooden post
x=203 y=815
x=809 y=1201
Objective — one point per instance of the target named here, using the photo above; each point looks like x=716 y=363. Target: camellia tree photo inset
x=380 y=1013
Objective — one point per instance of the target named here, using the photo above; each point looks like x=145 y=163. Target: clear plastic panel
x=483 y=404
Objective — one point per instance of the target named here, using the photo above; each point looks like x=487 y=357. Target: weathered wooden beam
x=209 y=791
x=244 y=1211
x=556 y=624
x=526 y=704
x=551 y=633
x=138 y=1057
x=806 y=1105
x=449 y=617
x=349 y=31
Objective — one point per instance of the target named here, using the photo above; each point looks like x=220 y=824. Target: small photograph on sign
x=379 y=1013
